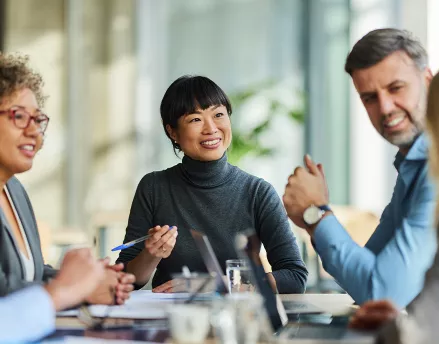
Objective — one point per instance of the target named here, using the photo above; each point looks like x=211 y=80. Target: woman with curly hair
x=22 y=127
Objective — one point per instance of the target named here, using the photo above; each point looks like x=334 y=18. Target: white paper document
x=142 y=304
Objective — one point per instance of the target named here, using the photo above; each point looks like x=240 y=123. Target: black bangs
x=188 y=94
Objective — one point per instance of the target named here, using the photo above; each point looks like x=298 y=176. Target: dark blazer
x=12 y=275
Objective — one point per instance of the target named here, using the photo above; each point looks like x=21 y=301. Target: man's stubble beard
x=406 y=139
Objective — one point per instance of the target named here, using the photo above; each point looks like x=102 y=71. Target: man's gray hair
x=378 y=44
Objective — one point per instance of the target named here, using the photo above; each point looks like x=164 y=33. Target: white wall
x=433 y=34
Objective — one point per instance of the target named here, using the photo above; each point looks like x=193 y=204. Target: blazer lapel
x=29 y=226
x=4 y=226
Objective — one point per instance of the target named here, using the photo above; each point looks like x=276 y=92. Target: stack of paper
x=142 y=304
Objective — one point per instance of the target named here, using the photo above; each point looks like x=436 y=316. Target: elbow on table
x=294 y=285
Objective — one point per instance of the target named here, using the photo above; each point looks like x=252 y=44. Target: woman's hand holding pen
x=162 y=241
x=159 y=244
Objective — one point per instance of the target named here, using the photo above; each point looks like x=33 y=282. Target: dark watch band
x=324 y=207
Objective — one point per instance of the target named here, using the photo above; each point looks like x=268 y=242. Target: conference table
x=156 y=331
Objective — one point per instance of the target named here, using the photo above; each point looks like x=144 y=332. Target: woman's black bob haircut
x=188 y=94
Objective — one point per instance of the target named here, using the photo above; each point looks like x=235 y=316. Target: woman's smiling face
x=18 y=146
x=203 y=135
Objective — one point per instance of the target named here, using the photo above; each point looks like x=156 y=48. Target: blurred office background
x=107 y=63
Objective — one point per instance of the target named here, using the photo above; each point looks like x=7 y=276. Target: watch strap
x=324 y=207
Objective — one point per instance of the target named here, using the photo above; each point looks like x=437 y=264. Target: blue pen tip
x=117 y=248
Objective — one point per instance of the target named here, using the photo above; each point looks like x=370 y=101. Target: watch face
x=312 y=215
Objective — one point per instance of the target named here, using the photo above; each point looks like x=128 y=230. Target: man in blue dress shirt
x=29 y=314
x=389 y=69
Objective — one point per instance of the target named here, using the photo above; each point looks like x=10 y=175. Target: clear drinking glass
x=238 y=276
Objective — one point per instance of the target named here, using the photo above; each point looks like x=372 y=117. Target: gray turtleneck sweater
x=219 y=200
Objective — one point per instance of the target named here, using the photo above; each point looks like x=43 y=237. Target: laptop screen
x=248 y=247
x=210 y=260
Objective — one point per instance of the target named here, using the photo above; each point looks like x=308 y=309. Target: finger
x=310 y=165
x=122 y=295
x=158 y=235
x=105 y=261
x=154 y=229
x=120 y=301
x=321 y=170
x=154 y=235
x=127 y=278
x=297 y=170
x=116 y=267
x=124 y=298
x=168 y=247
x=170 y=243
x=162 y=287
x=125 y=288
x=170 y=234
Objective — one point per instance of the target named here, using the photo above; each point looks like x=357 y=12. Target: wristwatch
x=314 y=214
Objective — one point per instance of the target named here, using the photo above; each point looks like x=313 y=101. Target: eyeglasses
x=22 y=118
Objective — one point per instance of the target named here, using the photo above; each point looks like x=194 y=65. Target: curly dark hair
x=15 y=74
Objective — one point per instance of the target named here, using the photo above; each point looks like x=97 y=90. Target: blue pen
x=133 y=242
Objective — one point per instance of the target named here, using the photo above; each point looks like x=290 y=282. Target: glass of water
x=238 y=276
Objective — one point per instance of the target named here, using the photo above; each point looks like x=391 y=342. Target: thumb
x=321 y=170
x=311 y=165
x=105 y=262
x=116 y=267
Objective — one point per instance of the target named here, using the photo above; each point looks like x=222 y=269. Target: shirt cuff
x=328 y=233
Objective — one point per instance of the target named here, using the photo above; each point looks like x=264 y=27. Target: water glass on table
x=238 y=276
x=239 y=318
x=189 y=324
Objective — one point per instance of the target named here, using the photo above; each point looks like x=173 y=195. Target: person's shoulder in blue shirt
x=26 y=315
x=392 y=83
x=29 y=314
x=394 y=260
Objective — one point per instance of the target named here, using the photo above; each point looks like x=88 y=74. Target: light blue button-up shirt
x=393 y=262
x=26 y=315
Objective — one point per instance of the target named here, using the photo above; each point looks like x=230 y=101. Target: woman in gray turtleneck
x=206 y=193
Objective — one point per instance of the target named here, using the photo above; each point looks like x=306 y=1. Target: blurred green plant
x=247 y=142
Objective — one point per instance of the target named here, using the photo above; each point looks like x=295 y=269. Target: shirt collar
x=418 y=151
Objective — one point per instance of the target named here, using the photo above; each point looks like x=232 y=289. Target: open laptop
x=248 y=246
x=210 y=260
x=294 y=309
